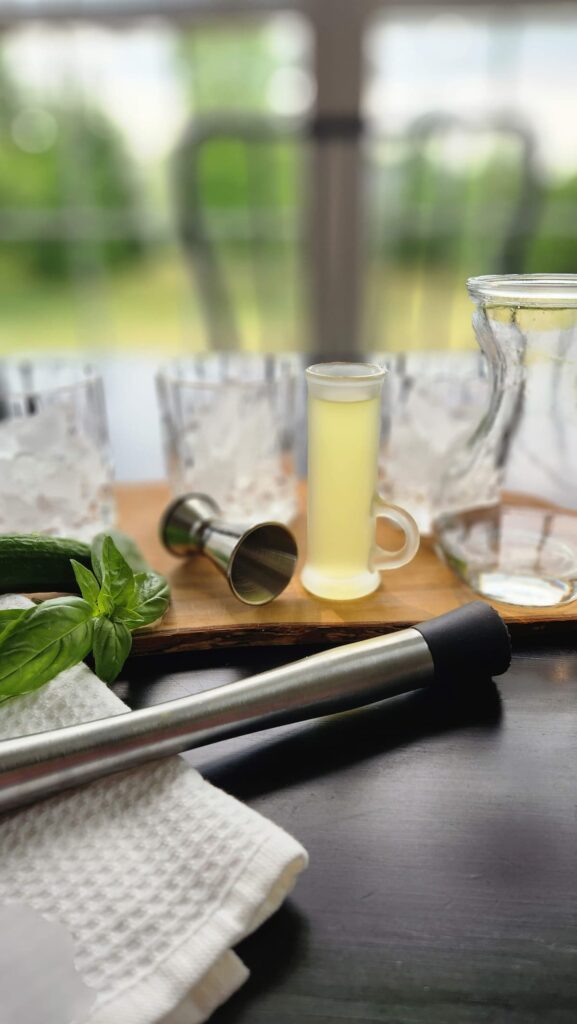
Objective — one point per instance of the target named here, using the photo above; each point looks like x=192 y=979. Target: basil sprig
x=38 y=643
x=46 y=639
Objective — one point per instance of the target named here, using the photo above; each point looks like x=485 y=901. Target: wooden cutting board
x=204 y=614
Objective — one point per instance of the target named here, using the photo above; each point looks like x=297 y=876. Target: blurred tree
x=236 y=174
x=438 y=215
x=228 y=70
x=228 y=67
x=66 y=163
x=554 y=247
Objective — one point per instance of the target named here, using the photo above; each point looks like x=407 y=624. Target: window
x=99 y=126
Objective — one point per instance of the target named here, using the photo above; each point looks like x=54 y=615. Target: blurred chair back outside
x=448 y=194
x=255 y=230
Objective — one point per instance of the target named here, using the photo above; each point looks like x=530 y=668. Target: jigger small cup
x=258 y=560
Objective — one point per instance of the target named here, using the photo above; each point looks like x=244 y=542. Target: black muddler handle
x=470 y=642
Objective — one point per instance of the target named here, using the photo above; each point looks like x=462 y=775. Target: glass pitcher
x=506 y=504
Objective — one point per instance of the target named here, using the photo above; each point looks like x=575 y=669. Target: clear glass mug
x=506 y=508
x=344 y=413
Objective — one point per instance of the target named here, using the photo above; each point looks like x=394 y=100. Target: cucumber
x=33 y=564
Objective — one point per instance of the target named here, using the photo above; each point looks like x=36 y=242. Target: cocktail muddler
x=257 y=560
x=472 y=641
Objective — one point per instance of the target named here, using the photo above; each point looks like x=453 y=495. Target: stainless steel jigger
x=258 y=561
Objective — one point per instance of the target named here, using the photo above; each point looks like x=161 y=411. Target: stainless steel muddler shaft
x=471 y=640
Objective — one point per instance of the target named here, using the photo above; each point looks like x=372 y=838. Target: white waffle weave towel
x=155 y=874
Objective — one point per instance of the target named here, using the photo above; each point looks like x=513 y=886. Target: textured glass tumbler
x=229 y=425
x=506 y=516
x=344 y=415
x=433 y=400
x=55 y=466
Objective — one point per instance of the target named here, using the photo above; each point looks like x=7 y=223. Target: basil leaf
x=130 y=618
x=136 y=601
x=149 y=603
x=87 y=582
x=127 y=547
x=54 y=636
x=117 y=588
x=9 y=619
x=112 y=643
x=96 y=556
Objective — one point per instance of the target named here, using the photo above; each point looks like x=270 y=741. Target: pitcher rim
x=549 y=291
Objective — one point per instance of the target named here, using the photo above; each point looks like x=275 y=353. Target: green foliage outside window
x=80 y=167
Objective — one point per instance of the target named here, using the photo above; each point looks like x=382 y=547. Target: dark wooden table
x=442 y=887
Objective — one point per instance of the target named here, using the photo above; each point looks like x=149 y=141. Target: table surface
x=442 y=884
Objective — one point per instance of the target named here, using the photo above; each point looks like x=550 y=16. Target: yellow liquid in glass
x=342 y=467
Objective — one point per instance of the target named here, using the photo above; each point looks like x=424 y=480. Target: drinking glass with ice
x=55 y=466
x=229 y=428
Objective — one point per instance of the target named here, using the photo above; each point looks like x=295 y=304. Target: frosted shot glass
x=343 y=560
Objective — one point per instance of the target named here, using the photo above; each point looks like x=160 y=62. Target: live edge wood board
x=204 y=614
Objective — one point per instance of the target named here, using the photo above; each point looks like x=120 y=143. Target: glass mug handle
x=383 y=559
